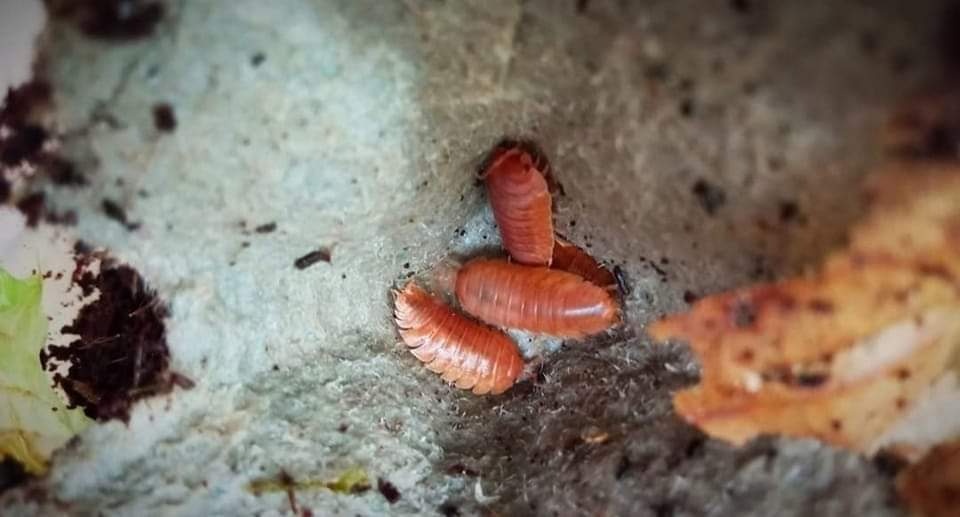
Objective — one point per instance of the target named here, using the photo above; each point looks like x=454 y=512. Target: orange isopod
x=521 y=202
x=466 y=353
x=536 y=299
x=570 y=258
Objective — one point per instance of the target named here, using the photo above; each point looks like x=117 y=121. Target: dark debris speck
x=114 y=211
x=660 y=271
x=810 y=380
x=710 y=196
x=388 y=490
x=164 y=118
x=319 y=255
x=266 y=228
x=789 y=211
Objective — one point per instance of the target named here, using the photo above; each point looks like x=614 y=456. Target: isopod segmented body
x=466 y=353
x=536 y=299
x=570 y=258
x=521 y=202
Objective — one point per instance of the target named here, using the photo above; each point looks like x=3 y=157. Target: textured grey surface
x=360 y=130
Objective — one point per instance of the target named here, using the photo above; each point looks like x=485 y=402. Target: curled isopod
x=572 y=259
x=521 y=202
x=465 y=352
x=536 y=299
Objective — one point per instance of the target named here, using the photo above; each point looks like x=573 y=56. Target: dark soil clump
x=121 y=354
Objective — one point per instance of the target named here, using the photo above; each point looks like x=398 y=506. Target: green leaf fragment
x=34 y=420
x=351 y=481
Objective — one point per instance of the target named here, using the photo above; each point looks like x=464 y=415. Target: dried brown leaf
x=843 y=353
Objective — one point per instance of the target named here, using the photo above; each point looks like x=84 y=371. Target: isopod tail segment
x=466 y=353
x=519 y=194
x=535 y=299
x=573 y=259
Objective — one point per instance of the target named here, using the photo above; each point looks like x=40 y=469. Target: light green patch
x=352 y=481
x=34 y=421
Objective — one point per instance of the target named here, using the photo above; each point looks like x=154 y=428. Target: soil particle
x=164 y=118
x=710 y=196
x=320 y=255
x=114 y=211
x=266 y=228
x=789 y=211
x=388 y=490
